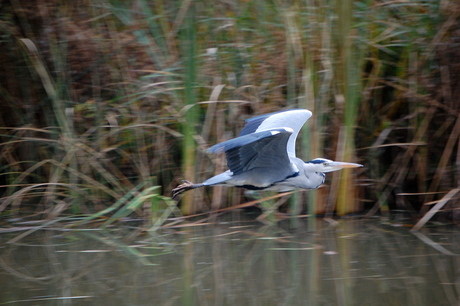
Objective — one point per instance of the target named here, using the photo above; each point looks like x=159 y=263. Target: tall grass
x=138 y=91
x=189 y=51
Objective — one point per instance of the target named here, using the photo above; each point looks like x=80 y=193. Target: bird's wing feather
x=264 y=151
x=294 y=119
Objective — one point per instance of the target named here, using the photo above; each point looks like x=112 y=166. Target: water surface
x=234 y=261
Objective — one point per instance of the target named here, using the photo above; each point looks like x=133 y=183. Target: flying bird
x=263 y=157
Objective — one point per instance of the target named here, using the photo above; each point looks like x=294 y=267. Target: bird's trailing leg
x=184 y=186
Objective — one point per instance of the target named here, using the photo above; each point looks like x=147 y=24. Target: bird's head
x=325 y=165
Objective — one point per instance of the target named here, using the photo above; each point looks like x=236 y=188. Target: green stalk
x=351 y=63
x=189 y=46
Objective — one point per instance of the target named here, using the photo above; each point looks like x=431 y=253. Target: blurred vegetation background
x=107 y=105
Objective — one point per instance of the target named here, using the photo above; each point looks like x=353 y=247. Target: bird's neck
x=314 y=177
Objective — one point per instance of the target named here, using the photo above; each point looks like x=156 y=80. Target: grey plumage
x=263 y=157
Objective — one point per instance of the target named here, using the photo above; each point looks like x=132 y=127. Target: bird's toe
x=176 y=191
x=184 y=186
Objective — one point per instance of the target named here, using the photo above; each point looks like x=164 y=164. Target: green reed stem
x=189 y=46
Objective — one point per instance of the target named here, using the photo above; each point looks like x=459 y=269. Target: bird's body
x=298 y=177
x=263 y=157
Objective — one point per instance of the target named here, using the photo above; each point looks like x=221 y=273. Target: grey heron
x=263 y=157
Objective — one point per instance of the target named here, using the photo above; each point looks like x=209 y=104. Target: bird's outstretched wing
x=263 y=154
x=294 y=119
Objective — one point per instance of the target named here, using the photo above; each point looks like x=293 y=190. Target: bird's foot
x=184 y=186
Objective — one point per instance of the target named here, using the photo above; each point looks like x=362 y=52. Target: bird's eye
x=324 y=164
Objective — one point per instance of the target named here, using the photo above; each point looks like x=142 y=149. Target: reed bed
x=107 y=105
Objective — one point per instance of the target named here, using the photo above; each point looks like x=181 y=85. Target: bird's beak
x=334 y=166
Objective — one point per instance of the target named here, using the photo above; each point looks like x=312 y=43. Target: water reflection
x=235 y=261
